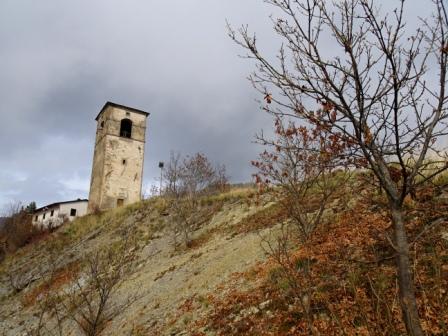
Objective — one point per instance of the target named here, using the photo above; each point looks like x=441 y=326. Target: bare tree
x=197 y=175
x=187 y=179
x=48 y=306
x=18 y=229
x=89 y=300
x=300 y=163
x=172 y=173
x=221 y=179
x=362 y=75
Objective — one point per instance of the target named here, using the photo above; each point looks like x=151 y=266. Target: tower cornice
x=124 y=107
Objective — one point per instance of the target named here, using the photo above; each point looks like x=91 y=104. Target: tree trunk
x=405 y=279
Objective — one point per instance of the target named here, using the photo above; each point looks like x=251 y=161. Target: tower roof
x=121 y=107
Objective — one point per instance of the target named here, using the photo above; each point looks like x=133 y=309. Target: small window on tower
x=102 y=124
x=52 y=213
x=72 y=212
x=124 y=161
x=126 y=128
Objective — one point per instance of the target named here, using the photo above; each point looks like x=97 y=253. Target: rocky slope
x=162 y=277
x=224 y=283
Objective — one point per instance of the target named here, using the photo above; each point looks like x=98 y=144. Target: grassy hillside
x=224 y=283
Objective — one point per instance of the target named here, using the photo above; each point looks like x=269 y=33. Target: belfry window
x=126 y=128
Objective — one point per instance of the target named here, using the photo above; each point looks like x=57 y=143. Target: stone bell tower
x=118 y=157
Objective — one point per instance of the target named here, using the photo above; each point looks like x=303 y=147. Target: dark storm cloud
x=60 y=61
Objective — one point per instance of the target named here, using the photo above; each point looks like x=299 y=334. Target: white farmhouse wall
x=61 y=212
x=45 y=219
x=80 y=207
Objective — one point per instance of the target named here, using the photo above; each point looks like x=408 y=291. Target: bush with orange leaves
x=301 y=164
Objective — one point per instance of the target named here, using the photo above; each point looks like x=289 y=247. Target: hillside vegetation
x=228 y=281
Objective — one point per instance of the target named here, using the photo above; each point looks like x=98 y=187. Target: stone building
x=118 y=157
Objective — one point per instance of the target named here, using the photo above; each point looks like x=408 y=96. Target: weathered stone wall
x=118 y=161
x=96 y=180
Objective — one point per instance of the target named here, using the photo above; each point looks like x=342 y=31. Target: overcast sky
x=60 y=61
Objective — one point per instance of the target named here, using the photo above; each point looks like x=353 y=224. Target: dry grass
x=233 y=195
x=60 y=278
x=267 y=217
x=355 y=291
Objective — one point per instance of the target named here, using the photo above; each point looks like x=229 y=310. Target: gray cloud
x=61 y=61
